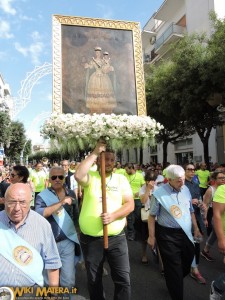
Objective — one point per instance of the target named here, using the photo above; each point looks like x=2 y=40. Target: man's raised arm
x=83 y=168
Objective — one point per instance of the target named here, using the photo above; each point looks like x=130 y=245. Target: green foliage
x=17 y=141
x=216 y=46
x=5 y=129
x=27 y=148
x=179 y=90
x=38 y=156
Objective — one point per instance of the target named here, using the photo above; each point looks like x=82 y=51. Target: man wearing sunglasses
x=58 y=205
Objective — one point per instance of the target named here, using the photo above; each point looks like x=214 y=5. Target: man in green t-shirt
x=136 y=181
x=218 y=285
x=118 y=168
x=119 y=204
x=203 y=177
x=39 y=179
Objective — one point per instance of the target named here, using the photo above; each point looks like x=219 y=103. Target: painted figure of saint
x=99 y=91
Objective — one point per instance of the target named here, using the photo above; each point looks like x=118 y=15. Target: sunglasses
x=189 y=169
x=61 y=177
x=13 y=175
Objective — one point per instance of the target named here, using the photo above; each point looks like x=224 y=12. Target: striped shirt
x=38 y=233
x=163 y=217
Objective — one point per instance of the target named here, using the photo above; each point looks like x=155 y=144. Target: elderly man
x=65 y=164
x=27 y=242
x=172 y=205
x=57 y=205
x=119 y=204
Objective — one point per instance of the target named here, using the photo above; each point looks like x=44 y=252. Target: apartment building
x=5 y=96
x=167 y=25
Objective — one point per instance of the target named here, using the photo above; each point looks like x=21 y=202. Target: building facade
x=6 y=103
x=173 y=19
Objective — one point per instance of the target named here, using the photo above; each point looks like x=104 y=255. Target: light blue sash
x=180 y=212
x=62 y=218
x=21 y=254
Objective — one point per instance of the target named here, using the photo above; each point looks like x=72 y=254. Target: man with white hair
x=171 y=204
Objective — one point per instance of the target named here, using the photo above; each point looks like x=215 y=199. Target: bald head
x=14 y=190
x=17 y=202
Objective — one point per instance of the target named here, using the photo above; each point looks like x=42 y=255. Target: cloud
x=35 y=49
x=25 y=18
x=107 y=12
x=5 y=30
x=3 y=55
x=6 y=6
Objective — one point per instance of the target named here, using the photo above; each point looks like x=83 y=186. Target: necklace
x=108 y=181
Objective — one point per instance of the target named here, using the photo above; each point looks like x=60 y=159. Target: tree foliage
x=162 y=105
x=217 y=48
x=17 y=141
x=179 y=90
x=12 y=138
x=5 y=129
x=27 y=148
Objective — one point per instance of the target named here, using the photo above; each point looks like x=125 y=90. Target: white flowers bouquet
x=81 y=131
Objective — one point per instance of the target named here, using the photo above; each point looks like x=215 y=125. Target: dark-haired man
x=119 y=204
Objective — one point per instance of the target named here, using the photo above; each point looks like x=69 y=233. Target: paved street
x=147 y=282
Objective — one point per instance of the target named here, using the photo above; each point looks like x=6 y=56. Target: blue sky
x=26 y=42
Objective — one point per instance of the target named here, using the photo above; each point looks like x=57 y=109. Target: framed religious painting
x=97 y=66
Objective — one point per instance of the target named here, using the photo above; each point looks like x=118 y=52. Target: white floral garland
x=81 y=131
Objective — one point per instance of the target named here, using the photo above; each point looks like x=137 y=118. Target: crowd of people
x=51 y=219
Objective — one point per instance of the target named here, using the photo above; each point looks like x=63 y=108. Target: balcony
x=168 y=8
x=149 y=57
x=172 y=34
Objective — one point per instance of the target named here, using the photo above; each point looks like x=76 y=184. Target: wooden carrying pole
x=104 y=204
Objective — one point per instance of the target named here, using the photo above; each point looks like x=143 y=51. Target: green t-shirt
x=90 y=221
x=38 y=179
x=120 y=171
x=203 y=177
x=136 y=181
x=219 y=197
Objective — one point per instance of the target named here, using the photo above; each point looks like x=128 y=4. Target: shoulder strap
x=21 y=254
x=62 y=218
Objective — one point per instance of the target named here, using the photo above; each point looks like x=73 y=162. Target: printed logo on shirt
x=112 y=188
x=176 y=211
x=22 y=255
x=59 y=212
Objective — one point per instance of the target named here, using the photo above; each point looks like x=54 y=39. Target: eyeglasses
x=13 y=203
x=65 y=165
x=189 y=169
x=13 y=175
x=61 y=177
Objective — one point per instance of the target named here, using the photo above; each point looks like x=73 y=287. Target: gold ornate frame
x=58 y=46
